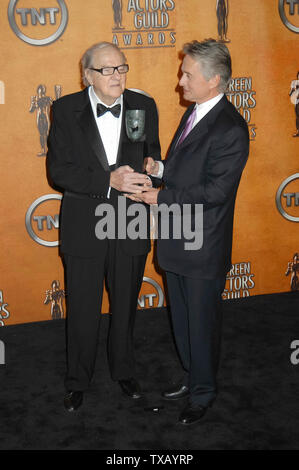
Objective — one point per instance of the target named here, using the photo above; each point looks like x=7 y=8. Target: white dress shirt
x=109 y=126
x=201 y=110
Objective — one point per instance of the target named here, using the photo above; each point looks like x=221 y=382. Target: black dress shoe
x=131 y=388
x=192 y=414
x=73 y=400
x=177 y=392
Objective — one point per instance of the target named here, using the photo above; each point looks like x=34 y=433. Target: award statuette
x=135 y=123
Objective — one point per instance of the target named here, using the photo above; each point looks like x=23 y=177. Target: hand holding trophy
x=135 y=126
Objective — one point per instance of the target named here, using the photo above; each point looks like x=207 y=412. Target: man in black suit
x=204 y=167
x=92 y=159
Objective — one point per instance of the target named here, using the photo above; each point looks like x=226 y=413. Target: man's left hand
x=148 y=195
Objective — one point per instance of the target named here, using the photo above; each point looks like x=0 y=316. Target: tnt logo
x=292 y=6
x=152 y=295
x=38 y=22
x=292 y=199
x=37 y=16
x=46 y=221
x=289 y=14
x=42 y=219
x=2 y=353
x=287 y=198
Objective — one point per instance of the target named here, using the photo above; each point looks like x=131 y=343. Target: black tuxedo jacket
x=205 y=169
x=77 y=164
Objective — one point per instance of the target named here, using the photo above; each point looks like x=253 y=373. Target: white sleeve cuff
x=160 y=171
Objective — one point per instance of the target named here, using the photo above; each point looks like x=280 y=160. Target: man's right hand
x=125 y=179
x=151 y=166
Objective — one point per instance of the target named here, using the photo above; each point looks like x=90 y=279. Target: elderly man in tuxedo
x=92 y=160
x=204 y=166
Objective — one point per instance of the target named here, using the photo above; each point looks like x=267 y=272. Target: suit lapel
x=86 y=121
x=123 y=135
x=180 y=129
x=198 y=132
x=201 y=128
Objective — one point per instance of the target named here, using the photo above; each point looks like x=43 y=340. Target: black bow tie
x=115 y=110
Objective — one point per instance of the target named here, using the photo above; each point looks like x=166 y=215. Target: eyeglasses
x=124 y=68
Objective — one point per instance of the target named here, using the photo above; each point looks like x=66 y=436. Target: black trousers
x=85 y=279
x=197 y=318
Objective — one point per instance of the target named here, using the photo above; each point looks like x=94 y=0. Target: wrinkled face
x=195 y=86
x=107 y=87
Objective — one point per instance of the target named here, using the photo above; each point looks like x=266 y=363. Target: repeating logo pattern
x=4 y=312
x=40 y=104
x=37 y=224
x=239 y=281
x=294 y=97
x=54 y=296
x=27 y=22
x=289 y=207
x=142 y=24
x=241 y=94
x=222 y=9
x=153 y=299
x=289 y=14
x=293 y=271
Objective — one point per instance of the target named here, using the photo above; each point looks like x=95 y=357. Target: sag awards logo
x=143 y=23
x=153 y=297
x=40 y=104
x=54 y=297
x=4 y=313
x=239 y=281
x=289 y=14
x=222 y=8
x=42 y=220
x=2 y=92
x=294 y=97
x=35 y=24
x=287 y=198
x=242 y=96
x=293 y=270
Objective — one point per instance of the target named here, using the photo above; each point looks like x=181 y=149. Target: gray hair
x=214 y=58
x=87 y=58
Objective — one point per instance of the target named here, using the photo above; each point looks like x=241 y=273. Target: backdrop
x=41 y=45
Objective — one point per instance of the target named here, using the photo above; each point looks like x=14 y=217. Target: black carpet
x=257 y=407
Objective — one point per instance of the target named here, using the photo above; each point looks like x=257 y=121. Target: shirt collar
x=207 y=105
x=95 y=99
